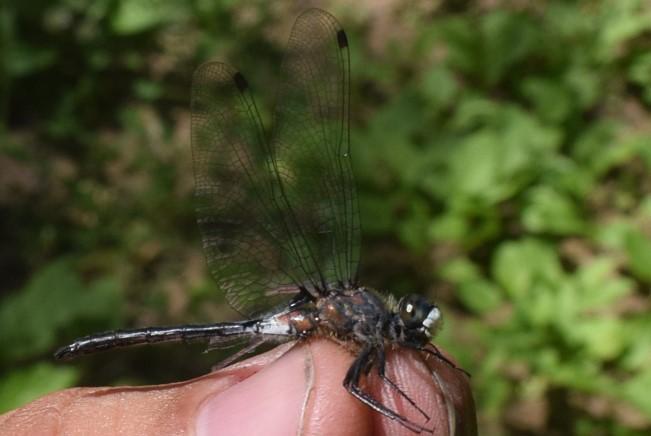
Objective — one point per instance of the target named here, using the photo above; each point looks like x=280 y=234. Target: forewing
x=247 y=243
x=278 y=215
x=312 y=148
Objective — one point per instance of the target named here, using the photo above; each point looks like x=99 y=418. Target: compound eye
x=414 y=310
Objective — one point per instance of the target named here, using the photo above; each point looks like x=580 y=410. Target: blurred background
x=501 y=150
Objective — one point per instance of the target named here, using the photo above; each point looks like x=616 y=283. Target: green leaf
x=547 y=304
x=439 y=87
x=135 y=16
x=640 y=73
x=448 y=227
x=505 y=38
x=520 y=266
x=638 y=350
x=148 y=90
x=622 y=20
x=377 y=213
x=598 y=149
x=22 y=59
x=603 y=337
x=503 y=153
x=636 y=391
x=638 y=248
x=480 y=296
x=600 y=285
x=477 y=293
x=458 y=37
x=551 y=101
x=21 y=386
x=614 y=233
x=413 y=227
x=584 y=82
x=54 y=298
x=460 y=270
x=549 y=211
x=644 y=209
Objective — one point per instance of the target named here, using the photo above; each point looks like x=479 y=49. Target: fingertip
x=454 y=384
x=268 y=402
x=330 y=408
x=440 y=390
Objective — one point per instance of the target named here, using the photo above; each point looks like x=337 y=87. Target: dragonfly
x=279 y=219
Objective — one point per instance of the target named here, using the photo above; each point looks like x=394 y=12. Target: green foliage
x=501 y=149
x=53 y=299
x=24 y=385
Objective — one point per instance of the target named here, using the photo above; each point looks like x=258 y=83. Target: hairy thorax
x=353 y=315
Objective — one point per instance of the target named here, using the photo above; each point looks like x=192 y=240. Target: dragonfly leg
x=351 y=383
x=381 y=366
x=434 y=351
x=303 y=297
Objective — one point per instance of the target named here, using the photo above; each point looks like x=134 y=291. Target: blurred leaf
x=600 y=284
x=499 y=158
x=640 y=73
x=448 y=227
x=377 y=212
x=413 y=228
x=644 y=208
x=638 y=354
x=480 y=296
x=567 y=176
x=636 y=391
x=22 y=59
x=549 y=211
x=638 y=247
x=599 y=151
x=21 y=386
x=635 y=146
x=506 y=38
x=54 y=298
x=458 y=39
x=603 y=337
x=460 y=270
x=520 y=266
x=551 y=101
x=140 y=15
x=475 y=111
x=439 y=87
x=488 y=48
x=584 y=82
x=613 y=234
x=622 y=20
x=148 y=90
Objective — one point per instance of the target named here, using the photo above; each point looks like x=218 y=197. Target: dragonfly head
x=419 y=315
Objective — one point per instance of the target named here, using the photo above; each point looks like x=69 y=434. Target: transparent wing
x=251 y=250
x=278 y=215
x=312 y=148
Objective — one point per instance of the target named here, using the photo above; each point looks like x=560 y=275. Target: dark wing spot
x=342 y=39
x=240 y=81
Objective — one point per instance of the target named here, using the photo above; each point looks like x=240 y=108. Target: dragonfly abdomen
x=149 y=335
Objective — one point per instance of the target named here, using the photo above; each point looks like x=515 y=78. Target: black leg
x=303 y=297
x=381 y=363
x=351 y=383
x=435 y=352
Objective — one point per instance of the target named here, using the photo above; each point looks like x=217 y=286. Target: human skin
x=293 y=389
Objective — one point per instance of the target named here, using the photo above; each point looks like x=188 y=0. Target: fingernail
x=269 y=402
